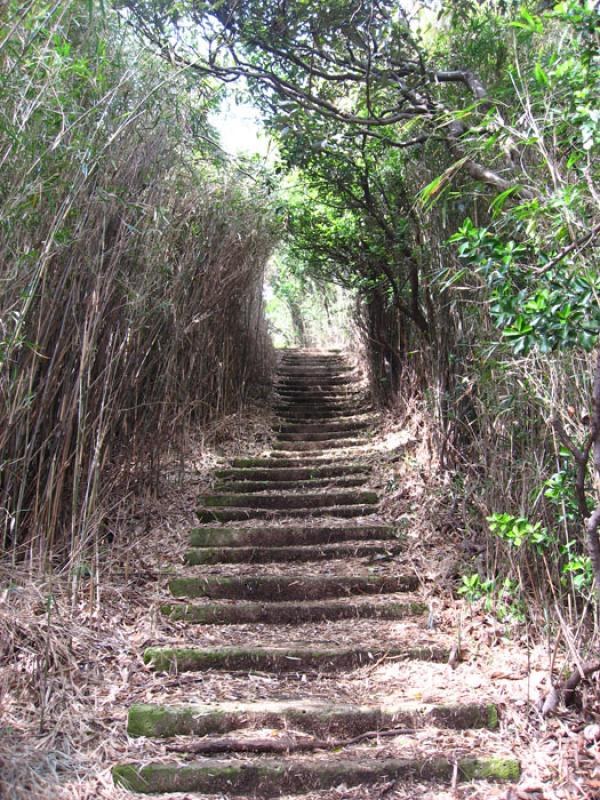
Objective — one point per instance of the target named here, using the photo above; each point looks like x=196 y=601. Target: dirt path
x=305 y=618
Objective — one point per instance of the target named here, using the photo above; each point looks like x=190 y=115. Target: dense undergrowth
x=132 y=266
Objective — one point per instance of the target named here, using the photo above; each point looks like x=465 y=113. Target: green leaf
x=497 y=204
x=540 y=75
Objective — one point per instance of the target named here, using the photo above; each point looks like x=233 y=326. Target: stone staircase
x=335 y=601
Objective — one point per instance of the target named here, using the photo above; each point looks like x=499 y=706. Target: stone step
x=328 y=455
x=328 y=375
x=315 y=380
x=318 y=414
x=289 y=500
x=299 y=461
x=313 y=716
x=318 y=436
x=276 y=473
x=327 y=444
x=288 y=613
x=283 y=659
x=242 y=514
x=288 y=536
x=322 y=427
x=273 y=777
x=319 y=394
x=313 y=457
x=318 y=364
x=290 y=553
x=250 y=487
x=300 y=370
x=289 y=588
x=324 y=407
x=343 y=406
x=334 y=386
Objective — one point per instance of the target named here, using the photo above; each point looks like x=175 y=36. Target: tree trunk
x=593 y=522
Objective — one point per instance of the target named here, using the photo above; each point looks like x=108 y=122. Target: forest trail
x=293 y=600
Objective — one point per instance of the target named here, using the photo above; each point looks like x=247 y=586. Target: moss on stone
x=164 y=721
x=192 y=659
x=129 y=777
x=270 y=588
x=492 y=716
x=283 y=613
x=490 y=769
x=271 y=777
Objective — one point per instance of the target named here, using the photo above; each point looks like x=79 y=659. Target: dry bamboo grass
x=131 y=280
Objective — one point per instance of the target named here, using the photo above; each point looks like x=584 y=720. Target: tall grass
x=131 y=269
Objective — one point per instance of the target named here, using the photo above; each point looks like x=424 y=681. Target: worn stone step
x=276 y=473
x=319 y=364
x=314 y=457
x=289 y=587
x=299 y=461
x=289 y=500
x=241 y=514
x=313 y=716
x=318 y=394
x=293 y=553
x=284 y=613
x=303 y=376
x=323 y=427
x=283 y=659
x=273 y=777
x=322 y=406
x=342 y=406
x=344 y=382
x=318 y=436
x=323 y=371
x=330 y=455
x=290 y=535
x=317 y=414
x=327 y=444
x=250 y=487
x=315 y=380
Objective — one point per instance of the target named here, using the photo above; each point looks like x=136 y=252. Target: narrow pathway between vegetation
x=314 y=592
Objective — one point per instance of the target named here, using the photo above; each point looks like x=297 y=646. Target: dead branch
x=565 y=689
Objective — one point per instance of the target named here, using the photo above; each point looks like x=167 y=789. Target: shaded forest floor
x=69 y=673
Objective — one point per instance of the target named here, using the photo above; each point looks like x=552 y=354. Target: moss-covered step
x=288 y=613
x=289 y=535
x=274 y=777
x=313 y=447
x=251 y=487
x=289 y=500
x=276 y=473
x=282 y=659
x=289 y=587
x=293 y=553
x=243 y=514
x=313 y=716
